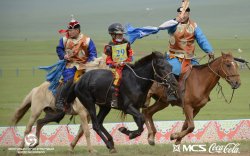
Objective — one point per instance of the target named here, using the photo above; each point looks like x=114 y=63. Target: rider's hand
x=179 y=18
x=66 y=57
x=211 y=56
x=121 y=64
x=115 y=65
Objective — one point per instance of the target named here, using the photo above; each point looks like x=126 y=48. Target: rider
x=183 y=32
x=118 y=52
x=77 y=49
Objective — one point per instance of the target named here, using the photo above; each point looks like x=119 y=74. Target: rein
x=222 y=93
x=147 y=79
x=226 y=78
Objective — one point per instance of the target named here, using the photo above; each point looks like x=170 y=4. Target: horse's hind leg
x=35 y=113
x=49 y=117
x=148 y=114
x=84 y=128
x=78 y=136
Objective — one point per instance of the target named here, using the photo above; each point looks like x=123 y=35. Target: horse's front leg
x=100 y=117
x=188 y=126
x=139 y=120
x=148 y=114
x=49 y=117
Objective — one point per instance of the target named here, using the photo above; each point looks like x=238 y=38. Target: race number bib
x=119 y=52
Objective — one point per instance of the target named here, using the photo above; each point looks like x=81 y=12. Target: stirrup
x=114 y=104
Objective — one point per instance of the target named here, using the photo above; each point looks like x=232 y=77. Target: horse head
x=228 y=69
x=162 y=70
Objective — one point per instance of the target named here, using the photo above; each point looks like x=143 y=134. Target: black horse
x=94 y=88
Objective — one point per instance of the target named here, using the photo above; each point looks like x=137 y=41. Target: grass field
x=18 y=75
x=138 y=150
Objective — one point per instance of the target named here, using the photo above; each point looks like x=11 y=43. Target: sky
x=36 y=19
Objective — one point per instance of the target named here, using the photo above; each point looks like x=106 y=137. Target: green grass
x=138 y=150
x=26 y=55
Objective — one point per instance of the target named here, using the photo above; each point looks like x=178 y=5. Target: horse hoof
x=132 y=135
x=177 y=142
x=122 y=129
x=33 y=146
x=151 y=142
x=92 y=151
x=113 y=150
x=173 y=136
x=71 y=150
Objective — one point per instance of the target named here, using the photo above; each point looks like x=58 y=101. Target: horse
x=41 y=99
x=94 y=88
x=199 y=84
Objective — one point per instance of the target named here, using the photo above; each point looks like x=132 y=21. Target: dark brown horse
x=199 y=84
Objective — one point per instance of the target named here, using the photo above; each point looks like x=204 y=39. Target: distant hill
x=33 y=19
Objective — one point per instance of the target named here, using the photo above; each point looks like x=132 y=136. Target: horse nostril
x=236 y=84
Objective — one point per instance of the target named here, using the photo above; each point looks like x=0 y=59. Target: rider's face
x=185 y=17
x=117 y=37
x=73 y=33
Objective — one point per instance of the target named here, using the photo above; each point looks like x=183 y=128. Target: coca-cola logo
x=229 y=148
x=213 y=148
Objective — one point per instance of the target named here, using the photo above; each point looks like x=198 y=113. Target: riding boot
x=61 y=104
x=173 y=93
x=171 y=97
x=114 y=102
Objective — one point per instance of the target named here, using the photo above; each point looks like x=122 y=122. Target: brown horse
x=199 y=84
x=41 y=99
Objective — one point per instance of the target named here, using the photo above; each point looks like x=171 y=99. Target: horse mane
x=204 y=65
x=146 y=59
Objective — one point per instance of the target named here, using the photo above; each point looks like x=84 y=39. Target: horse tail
x=23 y=108
x=71 y=94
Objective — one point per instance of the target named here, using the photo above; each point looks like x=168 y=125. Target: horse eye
x=228 y=65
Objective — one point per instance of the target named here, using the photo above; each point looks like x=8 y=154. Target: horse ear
x=224 y=55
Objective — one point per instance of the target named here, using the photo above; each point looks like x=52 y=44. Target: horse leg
x=78 y=136
x=139 y=120
x=32 y=120
x=49 y=117
x=185 y=125
x=100 y=117
x=90 y=106
x=188 y=126
x=84 y=128
x=148 y=114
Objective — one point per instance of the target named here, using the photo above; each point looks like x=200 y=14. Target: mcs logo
x=194 y=148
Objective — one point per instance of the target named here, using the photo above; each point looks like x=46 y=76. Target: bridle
x=223 y=70
x=226 y=78
x=164 y=78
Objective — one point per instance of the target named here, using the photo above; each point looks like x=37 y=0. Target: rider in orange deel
x=76 y=49
x=118 y=52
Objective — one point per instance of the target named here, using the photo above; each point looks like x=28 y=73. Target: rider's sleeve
x=130 y=53
x=202 y=40
x=92 y=51
x=168 y=24
x=109 y=60
x=60 y=49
